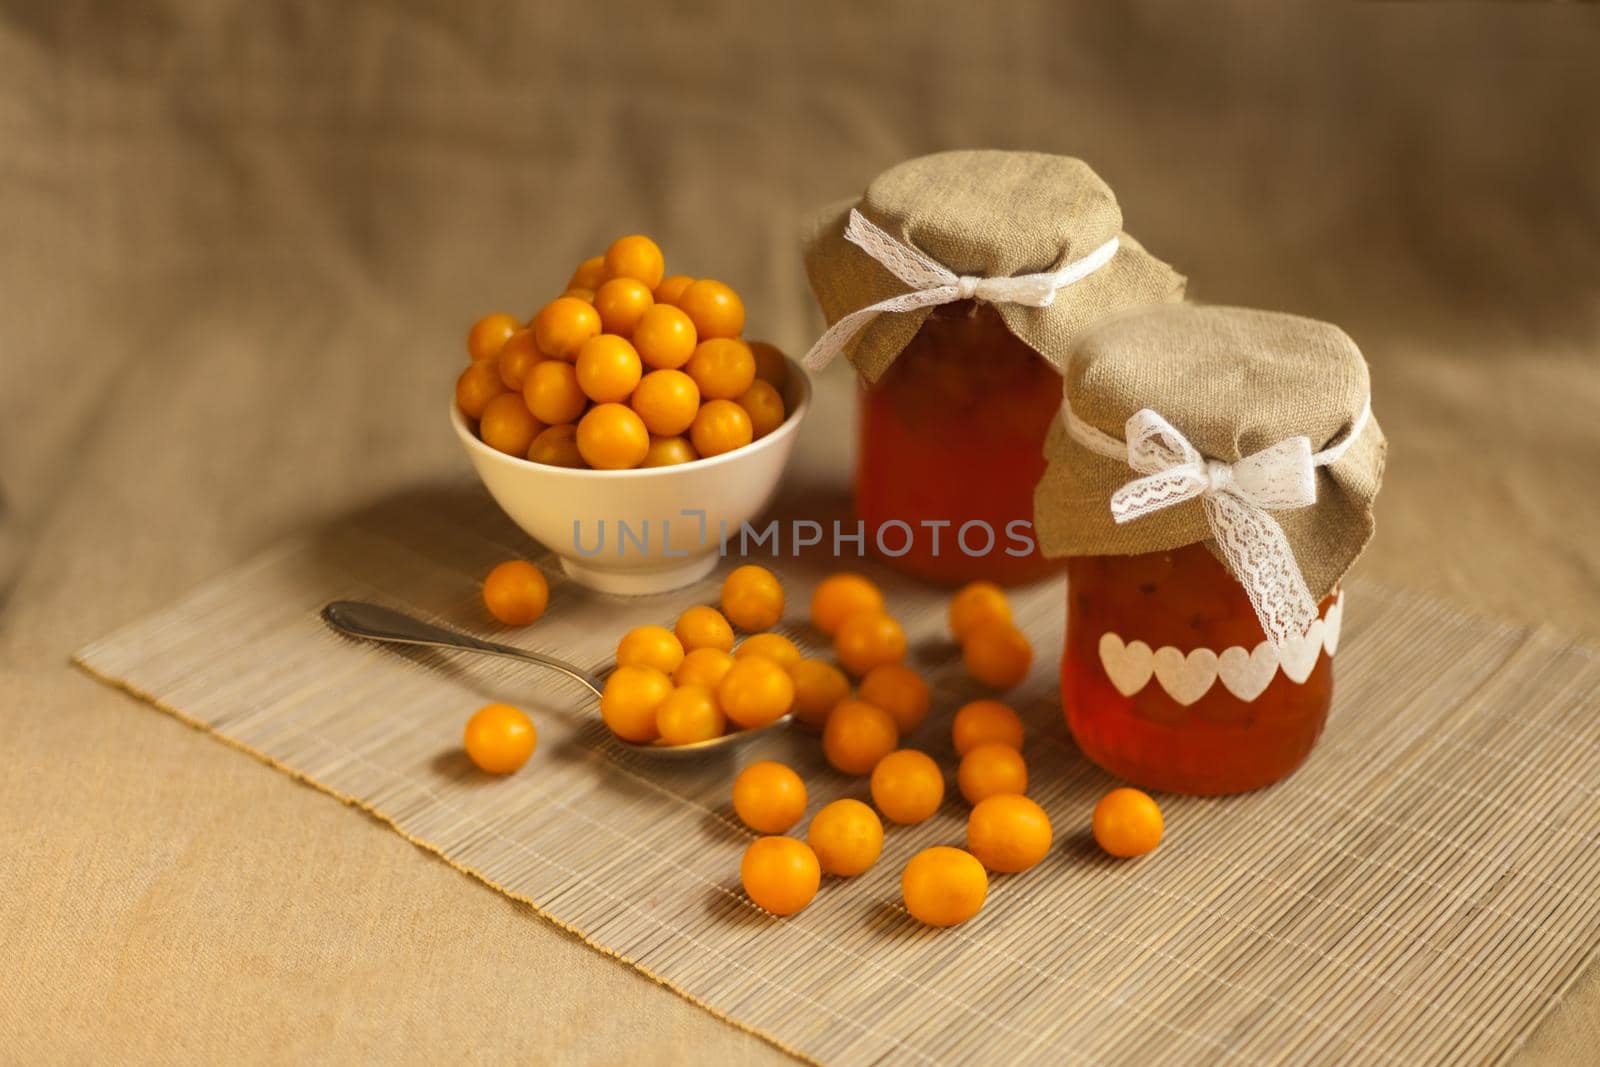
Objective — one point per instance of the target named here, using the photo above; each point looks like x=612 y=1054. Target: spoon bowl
x=374 y=622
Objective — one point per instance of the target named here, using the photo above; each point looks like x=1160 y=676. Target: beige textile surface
x=1421 y=891
x=240 y=245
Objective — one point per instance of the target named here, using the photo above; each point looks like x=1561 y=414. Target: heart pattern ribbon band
x=1244 y=672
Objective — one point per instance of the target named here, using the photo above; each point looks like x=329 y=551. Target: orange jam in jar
x=954 y=435
x=1161 y=650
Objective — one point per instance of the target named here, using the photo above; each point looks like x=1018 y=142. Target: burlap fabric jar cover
x=1039 y=236
x=1250 y=431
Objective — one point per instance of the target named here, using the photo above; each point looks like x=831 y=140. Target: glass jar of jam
x=1144 y=689
x=1246 y=439
x=955 y=285
x=953 y=435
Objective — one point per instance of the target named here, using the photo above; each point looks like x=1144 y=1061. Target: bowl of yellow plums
x=628 y=426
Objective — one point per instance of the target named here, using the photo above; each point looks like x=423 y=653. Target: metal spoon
x=374 y=622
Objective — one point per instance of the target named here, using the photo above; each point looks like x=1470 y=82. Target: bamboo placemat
x=1422 y=891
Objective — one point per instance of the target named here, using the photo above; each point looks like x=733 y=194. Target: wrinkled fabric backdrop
x=240 y=244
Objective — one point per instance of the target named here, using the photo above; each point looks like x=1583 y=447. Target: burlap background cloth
x=240 y=242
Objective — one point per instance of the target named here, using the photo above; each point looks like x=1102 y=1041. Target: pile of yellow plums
x=629 y=367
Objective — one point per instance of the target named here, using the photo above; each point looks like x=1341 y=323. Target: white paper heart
x=1332 y=622
x=1299 y=657
x=1185 y=678
x=1246 y=674
x=1128 y=666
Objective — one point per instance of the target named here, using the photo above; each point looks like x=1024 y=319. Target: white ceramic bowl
x=640 y=531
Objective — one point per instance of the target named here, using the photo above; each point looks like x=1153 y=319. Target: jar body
x=954 y=434
x=1161 y=700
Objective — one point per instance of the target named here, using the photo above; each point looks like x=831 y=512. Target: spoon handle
x=373 y=622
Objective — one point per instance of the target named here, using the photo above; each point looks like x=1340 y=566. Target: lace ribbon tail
x=1259 y=554
x=831 y=343
x=1144 y=496
x=911 y=265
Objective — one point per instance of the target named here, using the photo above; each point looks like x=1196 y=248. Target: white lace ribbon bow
x=1238 y=499
x=933 y=283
